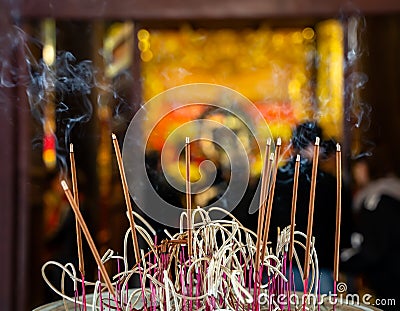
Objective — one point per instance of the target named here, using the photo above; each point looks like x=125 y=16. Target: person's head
x=305 y=134
x=303 y=138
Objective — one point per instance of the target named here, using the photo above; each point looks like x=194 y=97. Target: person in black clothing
x=303 y=141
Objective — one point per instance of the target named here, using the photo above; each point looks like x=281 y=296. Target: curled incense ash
x=223 y=267
x=223 y=259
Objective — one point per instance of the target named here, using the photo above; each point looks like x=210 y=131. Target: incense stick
x=264 y=207
x=338 y=211
x=76 y=198
x=311 y=209
x=271 y=198
x=89 y=239
x=189 y=217
x=265 y=177
x=188 y=196
x=127 y=197
x=294 y=205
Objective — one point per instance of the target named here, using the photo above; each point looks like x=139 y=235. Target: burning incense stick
x=294 y=205
x=271 y=198
x=260 y=237
x=188 y=196
x=89 y=239
x=76 y=199
x=338 y=211
x=265 y=180
x=127 y=198
x=265 y=174
x=311 y=209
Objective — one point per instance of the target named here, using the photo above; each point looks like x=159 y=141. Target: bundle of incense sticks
x=213 y=264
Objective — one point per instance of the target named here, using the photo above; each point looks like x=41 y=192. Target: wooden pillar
x=14 y=168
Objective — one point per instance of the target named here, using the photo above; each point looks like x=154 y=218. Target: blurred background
x=76 y=71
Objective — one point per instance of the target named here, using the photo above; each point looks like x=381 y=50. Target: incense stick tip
x=71 y=147
x=298 y=158
x=272 y=156
x=317 y=139
x=337 y=147
x=187 y=140
x=64 y=185
x=113 y=136
x=279 y=141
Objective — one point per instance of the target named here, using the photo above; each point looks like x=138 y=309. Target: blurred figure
x=227 y=163
x=375 y=248
x=303 y=141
